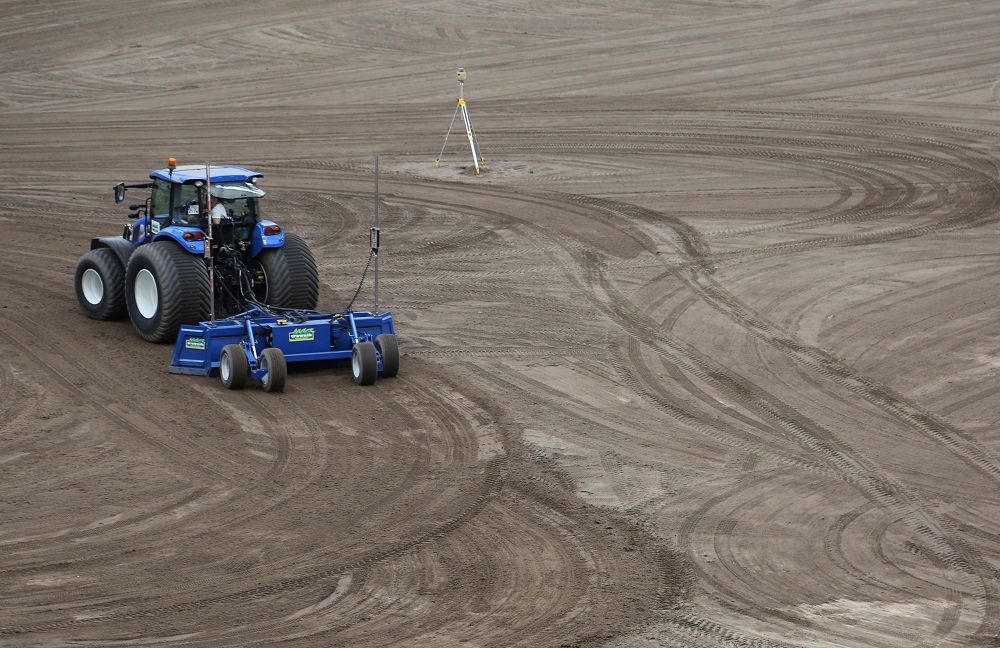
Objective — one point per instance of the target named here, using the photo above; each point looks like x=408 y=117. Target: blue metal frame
x=302 y=336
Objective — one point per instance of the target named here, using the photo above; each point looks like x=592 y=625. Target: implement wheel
x=164 y=288
x=364 y=363
x=389 y=350
x=234 y=366
x=272 y=361
x=100 y=285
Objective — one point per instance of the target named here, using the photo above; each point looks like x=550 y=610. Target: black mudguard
x=121 y=247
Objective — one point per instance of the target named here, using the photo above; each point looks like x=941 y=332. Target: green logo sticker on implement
x=194 y=343
x=302 y=335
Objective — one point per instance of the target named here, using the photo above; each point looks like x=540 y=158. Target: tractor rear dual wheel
x=165 y=287
x=288 y=277
x=100 y=285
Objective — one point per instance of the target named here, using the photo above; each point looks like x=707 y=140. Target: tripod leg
x=478 y=151
x=472 y=138
x=437 y=162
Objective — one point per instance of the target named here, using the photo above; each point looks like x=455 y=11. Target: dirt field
x=707 y=356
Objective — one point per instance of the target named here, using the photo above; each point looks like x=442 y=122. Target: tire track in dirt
x=56 y=361
x=276 y=469
x=359 y=568
x=715 y=295
x=365 y=567
x=857 y=469
x=962 y=219
x=492 y=484
x=363 y=562
x=585 y=277
x=703 y=291
x=157 y=514
x=102 y=86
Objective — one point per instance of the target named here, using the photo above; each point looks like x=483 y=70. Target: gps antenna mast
x=477 y=153
x=208 y=243
x=375 y=235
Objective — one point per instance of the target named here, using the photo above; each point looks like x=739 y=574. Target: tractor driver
x=219 y=211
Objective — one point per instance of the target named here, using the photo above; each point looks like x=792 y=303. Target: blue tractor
x=158 y=272
x=202 y=267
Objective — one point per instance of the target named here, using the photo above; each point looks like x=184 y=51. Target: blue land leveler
x=258 y=345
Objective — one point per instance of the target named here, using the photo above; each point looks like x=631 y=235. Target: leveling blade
x=365 y=339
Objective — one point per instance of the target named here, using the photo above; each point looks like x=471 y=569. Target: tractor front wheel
x=165 y=287
x=100 y=285
x=364 y=363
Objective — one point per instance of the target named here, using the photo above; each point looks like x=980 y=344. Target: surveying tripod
x=477 y=153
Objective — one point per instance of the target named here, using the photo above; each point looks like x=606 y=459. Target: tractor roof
x=192 y=172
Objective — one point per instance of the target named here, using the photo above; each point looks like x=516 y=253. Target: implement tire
x=165 y=287
x=272 y=361
x=389 y=350
x=290 y=276
x=100 y=285
x=234 y=368
x=364 y=363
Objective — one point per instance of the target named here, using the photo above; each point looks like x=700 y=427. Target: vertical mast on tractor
x=375 y=236
x=208 y=243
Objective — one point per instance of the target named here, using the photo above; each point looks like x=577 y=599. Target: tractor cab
x=178 y=197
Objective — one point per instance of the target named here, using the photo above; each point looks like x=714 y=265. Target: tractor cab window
x=240 y=200
x=241 y=210
x=185 y=201
x=159 y=207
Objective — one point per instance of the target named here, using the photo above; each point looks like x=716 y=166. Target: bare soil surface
x=708 y=355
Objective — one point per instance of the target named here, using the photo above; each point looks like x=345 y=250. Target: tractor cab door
x=159 y=206
x=186 y=202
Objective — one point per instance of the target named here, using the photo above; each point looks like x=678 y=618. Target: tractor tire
x=100 y=285
x=389 y=350
x=272 y=361
x=290 y=277
x=364 y=363
x=165 y=287
x=234 y=366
